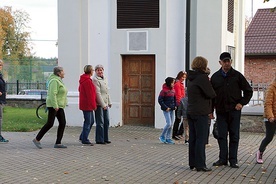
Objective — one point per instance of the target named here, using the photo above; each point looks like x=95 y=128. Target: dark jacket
x=200 y=93
x=2 y=90
x=166 y=98
x=229 y=90
x=182 y=108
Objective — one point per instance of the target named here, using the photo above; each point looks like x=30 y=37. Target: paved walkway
x=134 y=156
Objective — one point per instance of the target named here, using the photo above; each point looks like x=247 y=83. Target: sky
x=43 y=24
x=43 y=14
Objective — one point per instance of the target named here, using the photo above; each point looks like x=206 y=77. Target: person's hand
x=105 y=108
x=211 y=116
x=271 y=120
x=168 y=109
x=56 y=109
x=238 y=107
x=1 y=93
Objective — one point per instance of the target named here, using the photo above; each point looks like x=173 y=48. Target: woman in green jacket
x=55 y=102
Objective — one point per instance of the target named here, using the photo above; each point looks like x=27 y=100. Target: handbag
x=215 y=130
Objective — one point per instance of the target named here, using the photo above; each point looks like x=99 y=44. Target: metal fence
x=259 y=91
x=14 y=87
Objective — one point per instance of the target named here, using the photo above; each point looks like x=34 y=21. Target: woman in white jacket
x=103 y=104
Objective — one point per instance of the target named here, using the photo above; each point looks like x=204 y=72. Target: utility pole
x=251 y=9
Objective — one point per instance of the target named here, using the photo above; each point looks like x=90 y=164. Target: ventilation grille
x=137 y=41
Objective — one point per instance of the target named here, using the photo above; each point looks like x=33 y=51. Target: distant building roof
x=260 y=36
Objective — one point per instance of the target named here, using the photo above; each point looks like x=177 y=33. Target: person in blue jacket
x=167 y=101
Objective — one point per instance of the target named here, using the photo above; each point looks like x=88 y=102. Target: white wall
x=209 y=35
x=69 y=55
x=88 y=34
x=206 y=31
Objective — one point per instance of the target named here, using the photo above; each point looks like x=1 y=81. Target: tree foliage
x=13 y=31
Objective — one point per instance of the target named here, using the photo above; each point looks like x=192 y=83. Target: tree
x=6 y=27
x=13 y=25
x=273 y=9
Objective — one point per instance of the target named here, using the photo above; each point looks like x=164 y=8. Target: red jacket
x=87 y=93
x=179 y=91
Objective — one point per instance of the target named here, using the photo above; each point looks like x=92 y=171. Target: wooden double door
x=138 y=85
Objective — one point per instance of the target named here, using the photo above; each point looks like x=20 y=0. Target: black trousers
x=177 y=130
x=269 y=134
x=229 y=123
x=52 y=114
x=198 y=130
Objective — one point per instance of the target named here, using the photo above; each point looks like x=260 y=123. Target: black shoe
x=219 y=163
x=192 y=167
x=234 y=166
x=100 y=143
x=107 y=142
x=204 y=169
x=88 y=143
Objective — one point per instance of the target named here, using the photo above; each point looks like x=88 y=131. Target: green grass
x=20 y=120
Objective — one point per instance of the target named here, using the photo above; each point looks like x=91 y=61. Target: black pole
x=188 y=17
x=17 y=87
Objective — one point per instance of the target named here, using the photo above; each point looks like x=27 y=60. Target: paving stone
x=134 y=156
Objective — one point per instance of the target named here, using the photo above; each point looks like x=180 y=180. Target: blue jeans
x=87 y=125
x=228 y=122
x=169 y=116
x=102 y=124
x=198 y=130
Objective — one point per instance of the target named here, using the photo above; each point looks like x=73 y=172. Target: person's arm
x=161 y=100
x=98 y=93
x=53 y=91
x=177 y=89
x=207 y=87
x=247 y=91
x=268 y=104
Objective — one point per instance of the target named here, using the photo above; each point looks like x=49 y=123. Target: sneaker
x=3 y=140
x=37 y=144
x=259 y=157
x=186 y=142
x=163 y=140
x=169 y=141
x=60 y=146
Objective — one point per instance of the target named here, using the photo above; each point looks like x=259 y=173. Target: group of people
x=225 y=93
x=93 y=98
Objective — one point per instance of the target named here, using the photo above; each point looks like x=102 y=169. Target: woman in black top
x=200 y=93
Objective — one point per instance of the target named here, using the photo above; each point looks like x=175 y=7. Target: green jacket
x=57 y=92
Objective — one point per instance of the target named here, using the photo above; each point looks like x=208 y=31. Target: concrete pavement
x=134 y=156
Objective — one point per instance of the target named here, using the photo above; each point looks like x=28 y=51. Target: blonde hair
x=199 y=63
x=87 y=69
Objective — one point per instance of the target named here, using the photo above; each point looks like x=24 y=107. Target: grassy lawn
x=20 y=120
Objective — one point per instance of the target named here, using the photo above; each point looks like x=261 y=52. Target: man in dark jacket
x=233 y=92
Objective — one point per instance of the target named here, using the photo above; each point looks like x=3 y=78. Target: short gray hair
x=57 y=70
x=99 y=66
